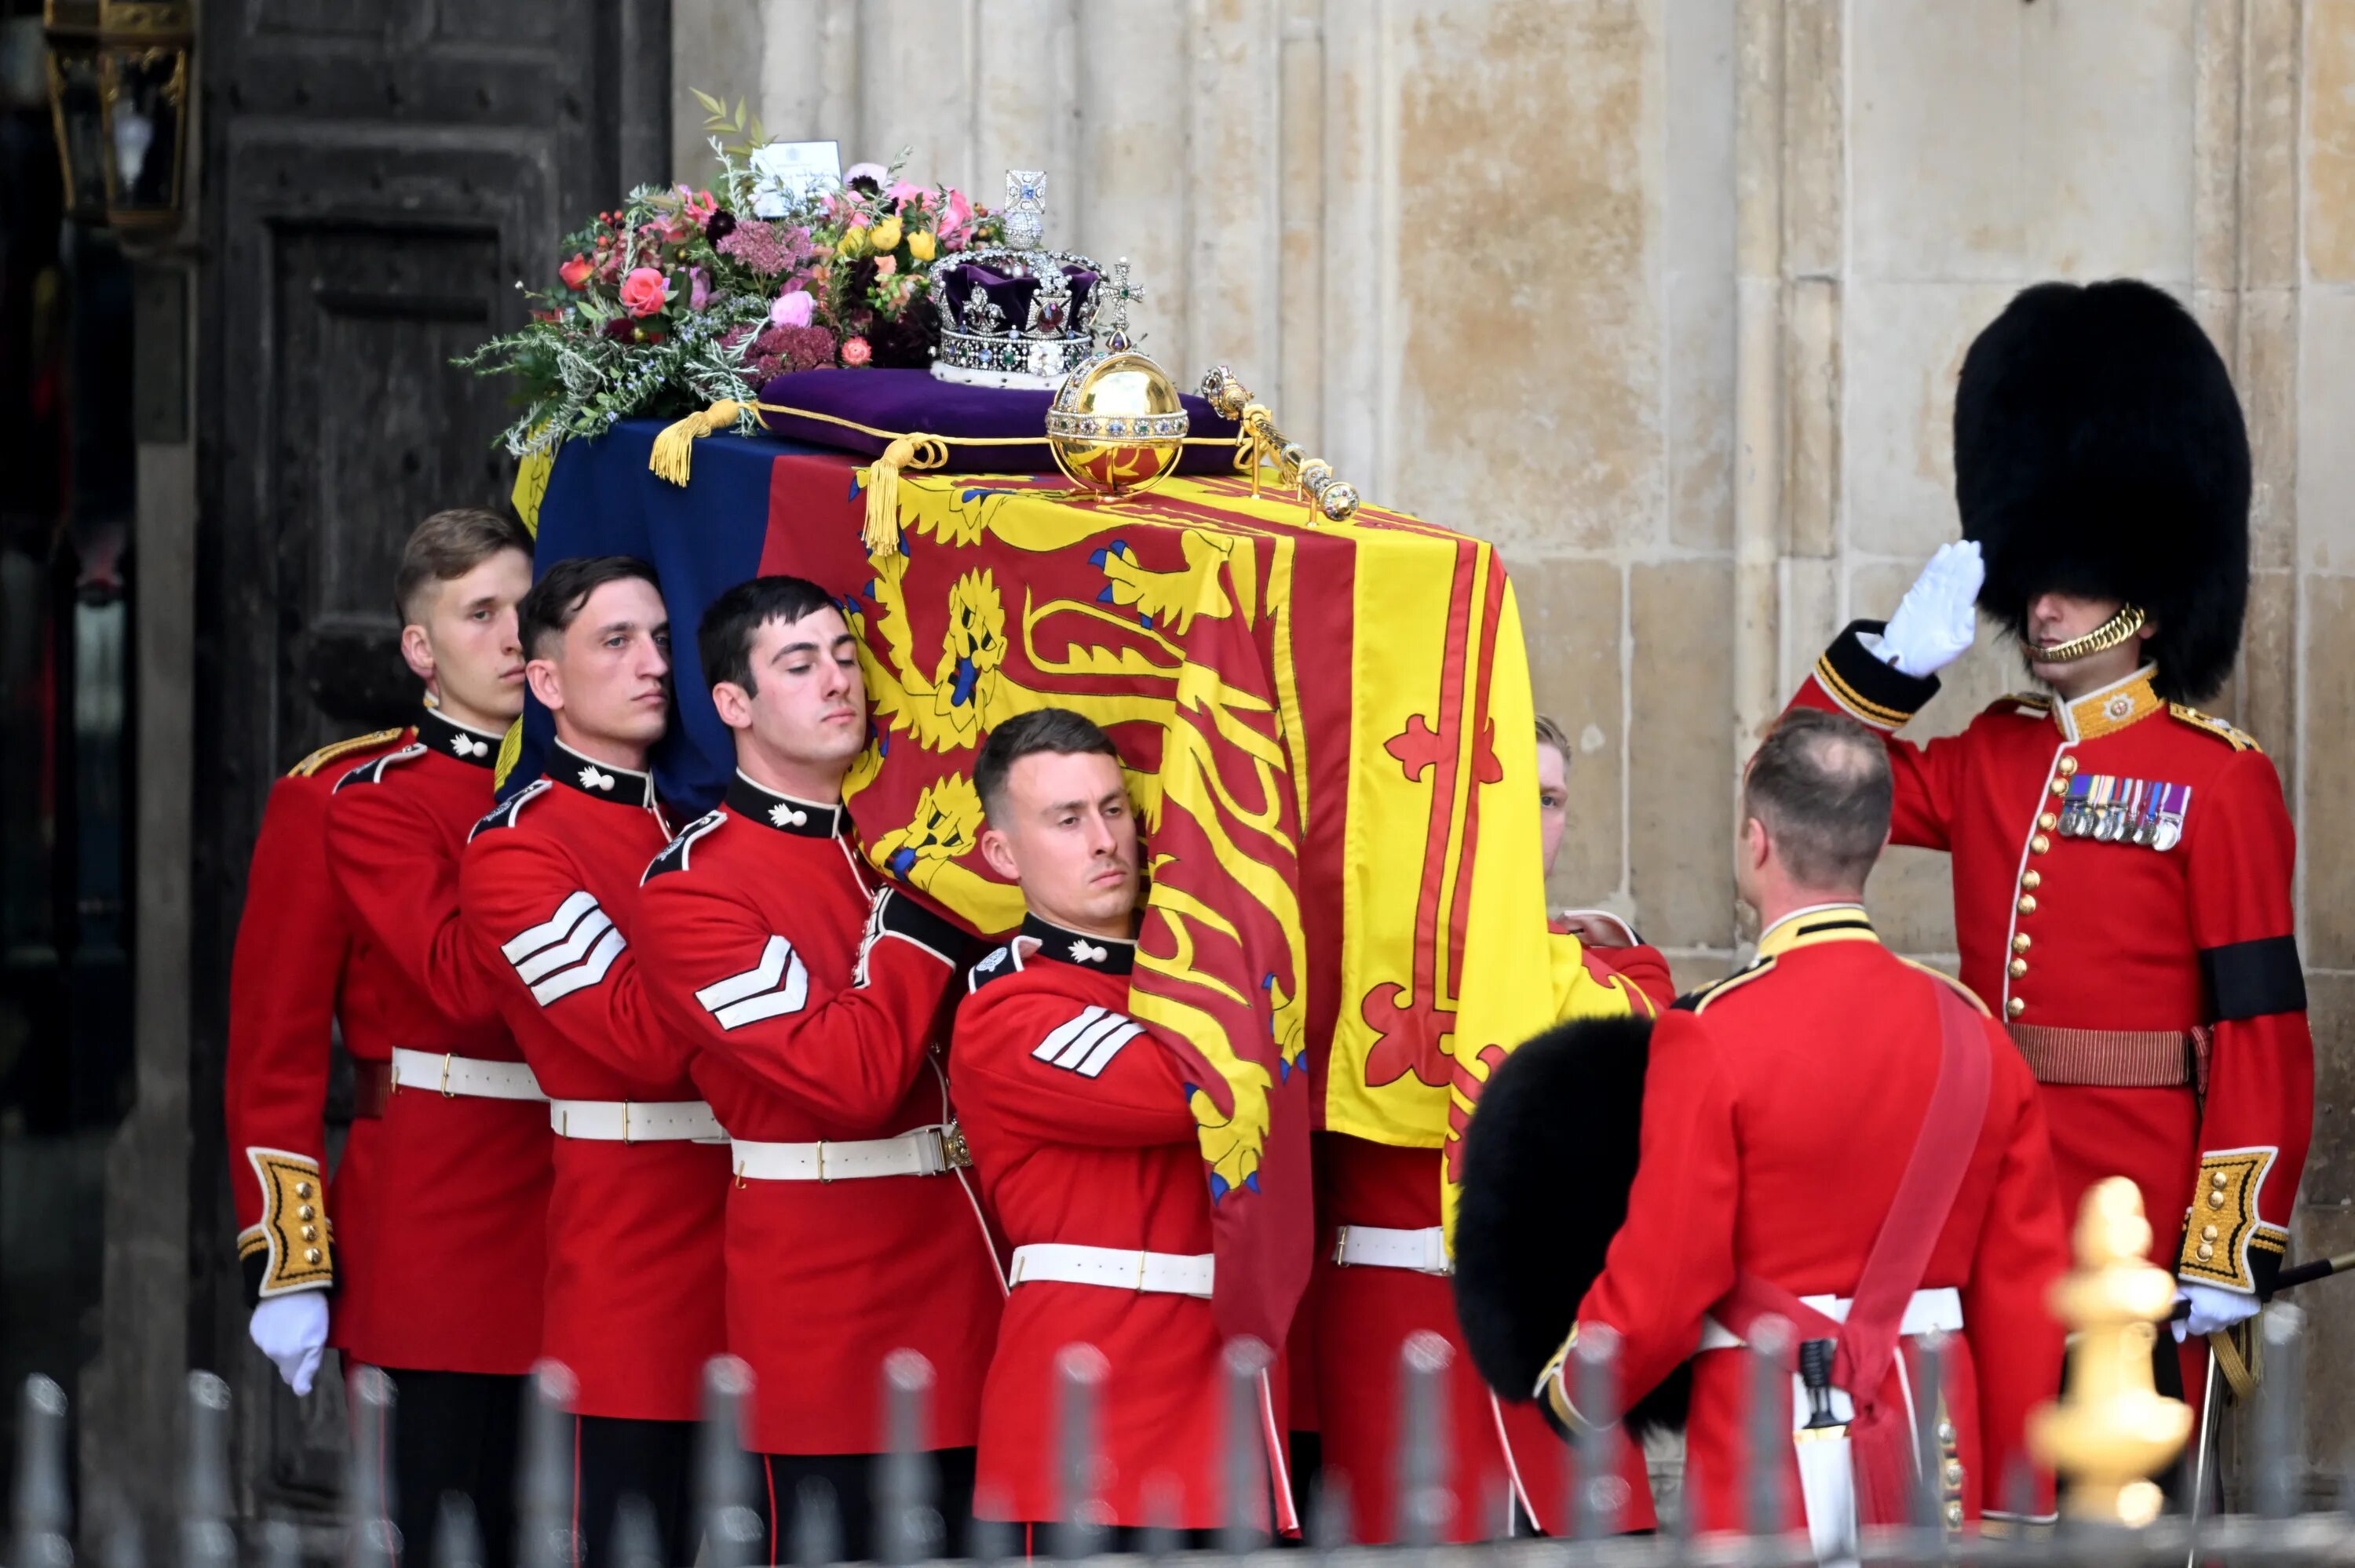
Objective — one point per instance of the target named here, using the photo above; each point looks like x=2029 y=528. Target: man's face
x=1553 y=801
x=607 y=677
x=1069 y=837
x=807 y=707
x=2057 y=618
x=466 y=641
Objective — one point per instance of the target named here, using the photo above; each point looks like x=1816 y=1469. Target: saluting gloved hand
x=1937 y=621
x=2213 y=1309
x=291 y=1330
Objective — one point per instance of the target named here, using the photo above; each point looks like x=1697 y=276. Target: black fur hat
x=2099 y=450
x=1547 y=1159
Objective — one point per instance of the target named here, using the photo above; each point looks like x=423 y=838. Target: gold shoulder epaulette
x=333 y=749
x=1965 y=993
x=2238 y=739
x=2029 y=704
x=1697 y=1000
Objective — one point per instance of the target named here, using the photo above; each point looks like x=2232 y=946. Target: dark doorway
x=376 y=176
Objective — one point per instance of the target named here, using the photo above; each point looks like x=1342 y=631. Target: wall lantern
x=119 y=94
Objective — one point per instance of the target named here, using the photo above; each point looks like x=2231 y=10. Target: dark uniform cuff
x=902 y=916
x=1867 y=690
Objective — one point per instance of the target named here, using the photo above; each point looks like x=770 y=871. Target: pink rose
x=576 y=272
x=696 y=205
x=794 y=308
x=854 y=352
x=643 y=292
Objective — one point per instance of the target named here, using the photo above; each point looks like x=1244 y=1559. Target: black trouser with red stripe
x=849 y=1486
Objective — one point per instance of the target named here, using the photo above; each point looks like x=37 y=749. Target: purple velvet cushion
x=913 y=402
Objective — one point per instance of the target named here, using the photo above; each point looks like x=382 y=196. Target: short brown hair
x=1057 y=731
x=1550 y=733
x=445 y=548
x=1820 y=784
x=549 y=608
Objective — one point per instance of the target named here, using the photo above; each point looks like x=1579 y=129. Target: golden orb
x=1117 y=425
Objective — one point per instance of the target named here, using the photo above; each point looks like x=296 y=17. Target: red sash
x=1880 y=1441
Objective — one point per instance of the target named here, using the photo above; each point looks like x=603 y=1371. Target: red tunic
x=445 y=1197
x=1778 y=1117
x=1364 y=1316
x=636 y=1303
x=749 y=928
x=286 y=983
x=1091 y=1149
x=2122 y=896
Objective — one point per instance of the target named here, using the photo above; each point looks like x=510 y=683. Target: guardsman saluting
x=2121 y=860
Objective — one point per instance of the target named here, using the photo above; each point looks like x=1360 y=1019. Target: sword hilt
x=1816 y=1372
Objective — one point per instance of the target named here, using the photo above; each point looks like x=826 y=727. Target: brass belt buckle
x=625 y=1123
x=823 y=1179
x=956 y=1153
x=1341 y=1247
x=447 y=1057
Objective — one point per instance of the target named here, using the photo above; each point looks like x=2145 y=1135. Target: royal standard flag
x=1326 y=728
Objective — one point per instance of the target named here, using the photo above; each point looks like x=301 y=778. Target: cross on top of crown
x=1026 y=208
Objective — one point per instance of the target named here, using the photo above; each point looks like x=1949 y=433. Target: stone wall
x=1667 y=298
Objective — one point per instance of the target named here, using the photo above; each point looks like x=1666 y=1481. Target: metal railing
x=910 y=1529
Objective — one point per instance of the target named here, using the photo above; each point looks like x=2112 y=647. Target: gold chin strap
x=2101 y=640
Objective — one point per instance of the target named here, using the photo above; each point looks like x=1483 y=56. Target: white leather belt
x=468 y=1076
x=1928 y=1311
x=929 y=1150
x=1373 y=1247
x=635 y=1121
x=1116 y=1269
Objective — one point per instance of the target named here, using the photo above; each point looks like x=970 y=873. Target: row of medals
x=2132 y=816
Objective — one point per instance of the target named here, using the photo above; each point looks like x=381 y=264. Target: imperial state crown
x=1020 y=315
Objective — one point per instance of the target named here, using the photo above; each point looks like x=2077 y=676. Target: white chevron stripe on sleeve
x=571 y=950
x=554 y=929
x=587 y=973
x=778 y=984
x=1087 y=1045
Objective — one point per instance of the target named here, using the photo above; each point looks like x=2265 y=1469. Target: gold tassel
x=882 y=530
x=675 y=447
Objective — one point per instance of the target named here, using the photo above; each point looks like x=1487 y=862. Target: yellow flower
x=854 y=242
x=884 y=236
x=920 y=245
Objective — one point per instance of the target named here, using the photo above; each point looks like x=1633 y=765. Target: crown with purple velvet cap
x=1019 y=314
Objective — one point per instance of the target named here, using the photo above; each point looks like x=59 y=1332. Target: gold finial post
x=2112 y=1431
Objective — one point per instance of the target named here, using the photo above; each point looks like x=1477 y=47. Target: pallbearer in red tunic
x=1077 y=1114
x=1834 y=1134
x=2122 y=862
x=286 y=985
x=443 y=1192
x=549 y=885
x=814 y=1003
x=1383 y=1276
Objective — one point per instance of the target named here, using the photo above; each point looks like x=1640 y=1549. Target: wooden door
x=377 y=174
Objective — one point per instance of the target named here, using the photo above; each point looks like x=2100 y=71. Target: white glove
x=1937 y=621
x=2213 y=1309
x=291 y=1330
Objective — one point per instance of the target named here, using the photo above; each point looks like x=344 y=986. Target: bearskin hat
x=1548 y=1160
x=2099 y=450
